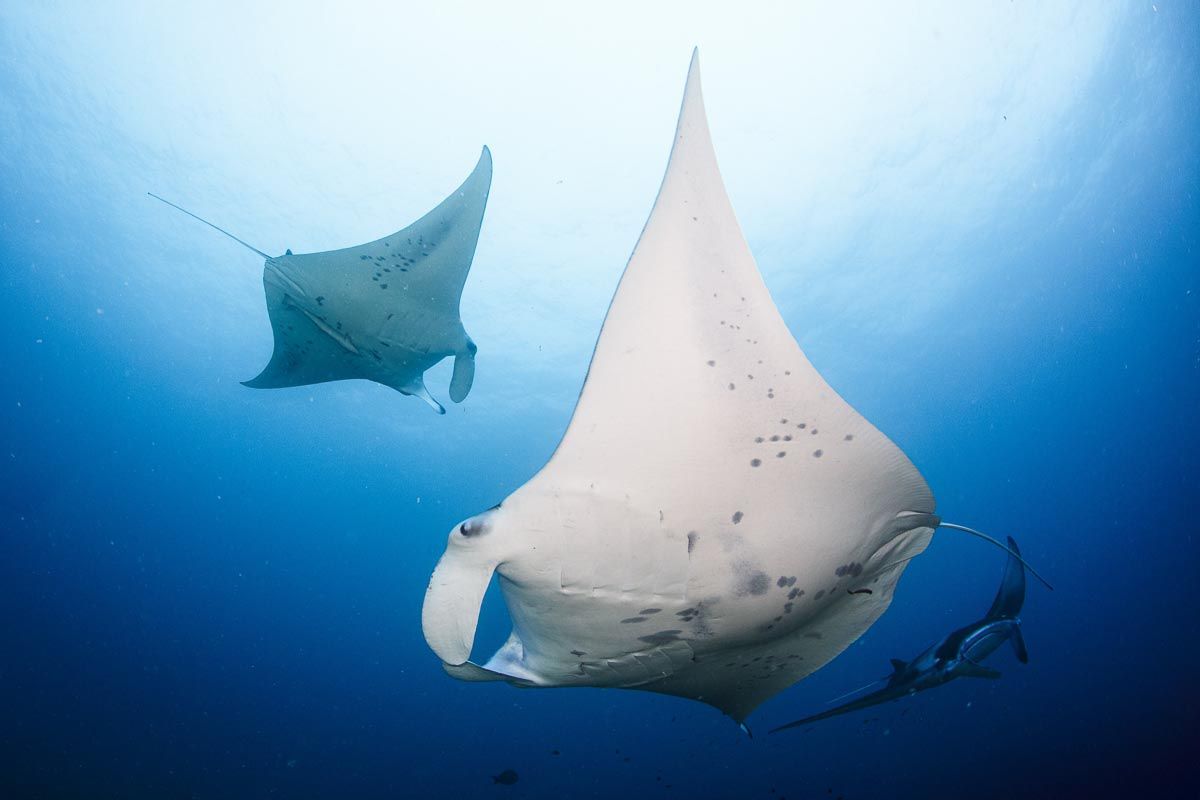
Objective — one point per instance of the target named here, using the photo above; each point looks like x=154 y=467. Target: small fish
x=506 y=778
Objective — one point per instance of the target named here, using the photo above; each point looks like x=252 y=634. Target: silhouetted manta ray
x=956 y=655
x=385 y=311
x=713 y=503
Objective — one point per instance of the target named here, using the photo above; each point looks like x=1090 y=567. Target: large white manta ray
x=715 y=510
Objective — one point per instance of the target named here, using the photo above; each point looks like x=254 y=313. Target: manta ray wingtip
x=484 y=164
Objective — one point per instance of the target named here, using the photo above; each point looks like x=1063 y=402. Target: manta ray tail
x=862 y=688
x=209 y=224
x=1012 y=551
x=1010 y=597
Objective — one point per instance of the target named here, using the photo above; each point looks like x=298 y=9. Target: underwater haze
x=980 y=221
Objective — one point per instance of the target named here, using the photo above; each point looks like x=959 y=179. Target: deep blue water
x=208 y=591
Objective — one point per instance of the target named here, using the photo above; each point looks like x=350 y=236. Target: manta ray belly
x=625 y=599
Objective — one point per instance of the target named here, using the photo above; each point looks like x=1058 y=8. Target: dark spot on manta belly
x=753 y=582
x=756 y=462
x=628 y=620
x=648 y=611
x=661 y=637
x=578 y=653
x=693 y=537
x=859 y=591
x=737 y=517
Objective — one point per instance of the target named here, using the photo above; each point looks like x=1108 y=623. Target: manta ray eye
x=470 y=528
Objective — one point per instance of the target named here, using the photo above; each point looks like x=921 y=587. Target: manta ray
x=386 y=311
x=956 y=655
x=716 y=523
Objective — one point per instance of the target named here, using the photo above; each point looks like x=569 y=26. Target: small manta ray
x=386 y=311
x=956 y=655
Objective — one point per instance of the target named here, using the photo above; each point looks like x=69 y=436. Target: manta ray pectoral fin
x=464 y=372
x=453 y=599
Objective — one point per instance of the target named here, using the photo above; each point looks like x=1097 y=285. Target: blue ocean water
x=980 y=223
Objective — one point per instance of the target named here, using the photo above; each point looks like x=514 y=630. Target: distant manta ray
x=386 y=311
x=956 y=655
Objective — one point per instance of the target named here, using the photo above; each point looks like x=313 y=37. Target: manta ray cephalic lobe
x=713 y=502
